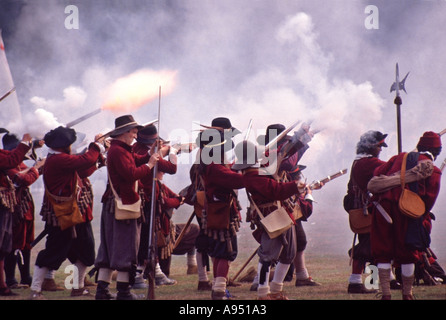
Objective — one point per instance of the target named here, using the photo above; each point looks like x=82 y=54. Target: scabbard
x=383 y=212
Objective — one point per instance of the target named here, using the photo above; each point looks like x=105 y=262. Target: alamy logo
x=72 y=20
x=371 y=281
x=72 y=280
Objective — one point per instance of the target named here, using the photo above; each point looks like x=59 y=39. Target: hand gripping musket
x=151 y=263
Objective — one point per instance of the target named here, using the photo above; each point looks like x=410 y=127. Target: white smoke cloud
x=271 y=62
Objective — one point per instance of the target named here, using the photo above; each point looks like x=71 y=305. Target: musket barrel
x=83 y=118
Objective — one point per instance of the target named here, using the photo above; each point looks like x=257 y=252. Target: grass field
x=330 y=271
x=328 y=237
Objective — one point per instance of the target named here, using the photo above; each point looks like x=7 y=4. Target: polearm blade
x=7 y=94
x=83 y=118
x=397 y=86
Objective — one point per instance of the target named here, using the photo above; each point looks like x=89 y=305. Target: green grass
x=330 y=271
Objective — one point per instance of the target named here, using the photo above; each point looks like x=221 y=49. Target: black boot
x=10 y=264
x=124 y=292
x=24 y=268
x=102 y=292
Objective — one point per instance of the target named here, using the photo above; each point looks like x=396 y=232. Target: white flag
x=10 y=115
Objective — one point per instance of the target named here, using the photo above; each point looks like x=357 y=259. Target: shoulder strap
x=254 y=204
x=403 y=170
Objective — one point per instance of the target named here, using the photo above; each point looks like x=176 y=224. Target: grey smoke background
x=272 y=61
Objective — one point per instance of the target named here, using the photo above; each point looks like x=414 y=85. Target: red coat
x=388 y=241
x=125 y=168
x=428 y=188
x=60 y=170
x=220 y=181
x=10 y=160
x=165 y=166
x=23 y=178
x=264 y=189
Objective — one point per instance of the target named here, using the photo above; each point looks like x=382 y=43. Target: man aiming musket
x=120 y=223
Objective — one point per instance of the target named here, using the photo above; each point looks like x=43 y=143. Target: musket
x=244 y=265
x=183 y=231
x=83 y=118
x=7 y=94
x=317 y=183
x=280 y=136
x=443 y=164
x=442 y=132
x=151 y=263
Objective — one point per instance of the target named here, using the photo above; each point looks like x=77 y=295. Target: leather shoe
x=359 y=288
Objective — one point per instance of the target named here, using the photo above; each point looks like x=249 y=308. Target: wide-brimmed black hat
x=225 y=123
x=61 y=137
x=148 y=135
x=246 y=155
x=10 y=141
x=272 y=131
x=124 y=124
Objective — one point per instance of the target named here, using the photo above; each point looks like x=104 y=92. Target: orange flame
x=131 y=92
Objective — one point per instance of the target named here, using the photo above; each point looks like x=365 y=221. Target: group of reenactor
x=137 y=235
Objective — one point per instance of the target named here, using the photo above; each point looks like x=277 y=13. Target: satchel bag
x=126 y=211
x=359 y=219
x=410 y=203
x=359 y=222
x=66 y=209
x=218 y=215
x=276 y=222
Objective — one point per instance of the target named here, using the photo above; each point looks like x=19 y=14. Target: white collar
x=363 y=155
x=428 y=154
x=51 y=151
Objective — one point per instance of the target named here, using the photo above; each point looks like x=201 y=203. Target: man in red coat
x=120 y=238
x=23 y=218
x=8 y=160
x=219 y=185
x=61 y=174
x=145 y=140
x=396 y=241
x=266 y=193
x=366 y=161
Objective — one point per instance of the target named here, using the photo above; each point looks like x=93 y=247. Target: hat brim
x=124 y=129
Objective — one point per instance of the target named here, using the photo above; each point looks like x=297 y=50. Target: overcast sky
x=279 y=61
